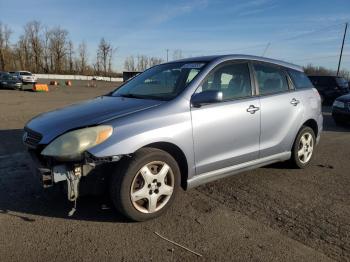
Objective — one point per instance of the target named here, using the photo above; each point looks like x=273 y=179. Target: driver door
x=227 y=133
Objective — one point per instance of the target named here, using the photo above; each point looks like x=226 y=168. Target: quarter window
x=270 y=79
x=233 y=80
x=300 y=80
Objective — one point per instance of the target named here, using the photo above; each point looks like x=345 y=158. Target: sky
x=301 y=32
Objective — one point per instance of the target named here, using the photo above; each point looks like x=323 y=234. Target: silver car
x=178 y=124
x=26 y=77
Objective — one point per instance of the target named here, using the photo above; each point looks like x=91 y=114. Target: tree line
x=41 y=49
x=141 y=62
x=320 y=70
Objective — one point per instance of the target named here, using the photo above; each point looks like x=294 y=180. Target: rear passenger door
x=281 y=109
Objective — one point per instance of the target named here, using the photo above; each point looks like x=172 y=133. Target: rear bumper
x=28 y=81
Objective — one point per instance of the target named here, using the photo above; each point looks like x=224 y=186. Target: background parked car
x=341 y=110
x=8 y=81
x=26 y=77
x=330 y=87
x=97 y=78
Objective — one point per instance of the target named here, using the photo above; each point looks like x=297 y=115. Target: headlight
x=70 y=145
x=339 y=104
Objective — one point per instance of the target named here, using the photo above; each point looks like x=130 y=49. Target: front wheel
x=144 y=186
x=303 y=148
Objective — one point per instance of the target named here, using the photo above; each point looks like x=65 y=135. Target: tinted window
x=322 y=80
x=233 y=80
x=300 y=80
x=270 y=79
x=342 y=82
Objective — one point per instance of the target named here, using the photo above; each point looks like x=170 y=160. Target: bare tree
x=154 y=61
x=177 y=54
x=46 y=50
x=70 y=50
x=5 y=50
x=58 y=46
x=142 y=63
x=104 y=57
x=110 y=59
x=32 y=32
x=82 y=60
x=129 y=64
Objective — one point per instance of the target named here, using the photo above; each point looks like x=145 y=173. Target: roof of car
x=243 y=57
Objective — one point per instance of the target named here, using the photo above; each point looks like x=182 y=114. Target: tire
x=138 y=196
x=303 y=149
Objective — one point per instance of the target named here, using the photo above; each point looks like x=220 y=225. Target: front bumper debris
x=51 y=172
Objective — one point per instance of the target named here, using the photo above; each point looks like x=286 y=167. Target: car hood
x=88 y=113
x=344 y=98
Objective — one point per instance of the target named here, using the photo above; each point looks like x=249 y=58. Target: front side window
x=300 y=80
x=233 y=80
x=162 y=82
x=270 y=79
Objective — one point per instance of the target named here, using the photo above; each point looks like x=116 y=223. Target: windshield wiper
x=152 y=97
x=131 y=96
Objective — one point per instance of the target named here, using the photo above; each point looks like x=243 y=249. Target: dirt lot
x=270 y=214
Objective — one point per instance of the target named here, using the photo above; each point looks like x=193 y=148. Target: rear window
x=341 y=81
x=300 y=80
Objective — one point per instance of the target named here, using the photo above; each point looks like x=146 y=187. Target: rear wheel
x=303 y=148
x=145 y=186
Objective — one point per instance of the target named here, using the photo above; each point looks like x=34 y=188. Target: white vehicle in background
x=26 y=77
x=97 y=78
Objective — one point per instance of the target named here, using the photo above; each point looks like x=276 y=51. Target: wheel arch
x=178 y=155
x=312 y=123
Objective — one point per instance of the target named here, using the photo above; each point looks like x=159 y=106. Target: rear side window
x=300 y=80
x=270 y=79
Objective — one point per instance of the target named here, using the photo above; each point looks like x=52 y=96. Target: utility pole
x=342 y=47
x=167 y=55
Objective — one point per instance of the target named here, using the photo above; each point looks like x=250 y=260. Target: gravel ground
x=270 y=214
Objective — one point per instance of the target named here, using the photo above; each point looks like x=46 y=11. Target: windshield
x=162 y=82
x=25 y=73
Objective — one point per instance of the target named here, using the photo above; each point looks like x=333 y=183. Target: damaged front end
x=71 y=168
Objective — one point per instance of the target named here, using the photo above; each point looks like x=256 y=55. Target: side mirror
x=206 y=97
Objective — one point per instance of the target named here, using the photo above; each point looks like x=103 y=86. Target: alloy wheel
x=306 y=147
x=152 y=187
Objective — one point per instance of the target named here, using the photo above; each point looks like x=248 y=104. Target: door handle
x=294 y=102
x=252 y=109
